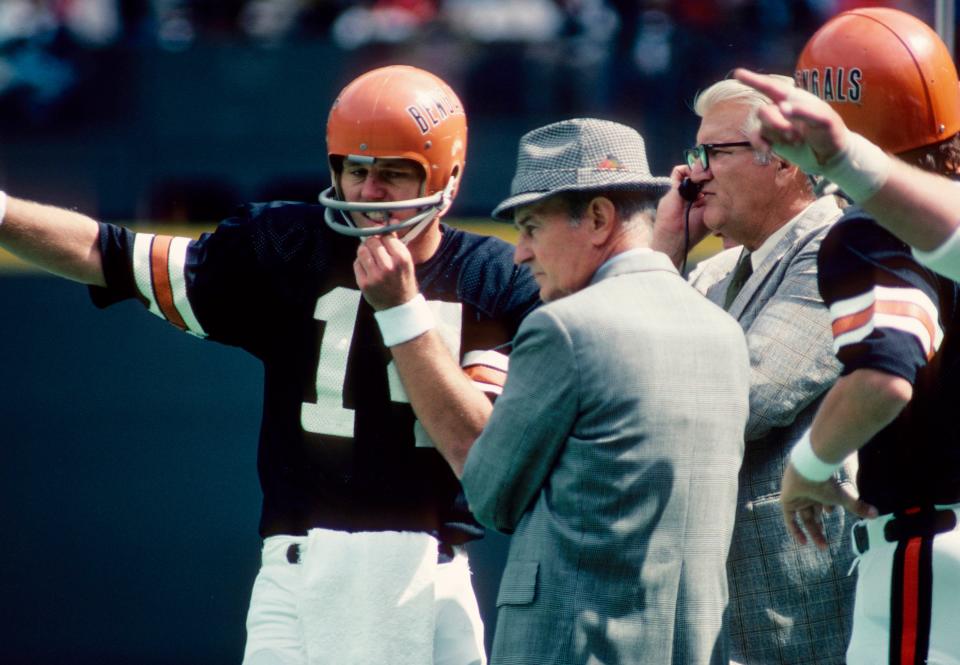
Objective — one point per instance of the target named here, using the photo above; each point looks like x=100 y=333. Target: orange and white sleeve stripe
x=487 y=370
x=905 y=309
x=158 y=268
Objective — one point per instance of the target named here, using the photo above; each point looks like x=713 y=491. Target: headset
x=688 y=191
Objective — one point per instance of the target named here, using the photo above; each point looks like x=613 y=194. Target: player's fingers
x=364 y=257
x=812 y=519
x=359 y=273
x=379 y=254
x=790 y=521
x=773 y=89
x=806 y=107
x=374 y=257
x=849 y=499
x=774 y=126
x=397 y=249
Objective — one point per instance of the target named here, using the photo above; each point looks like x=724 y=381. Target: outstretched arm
x=919 y=207
x=60 y=241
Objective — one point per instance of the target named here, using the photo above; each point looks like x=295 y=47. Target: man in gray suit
x=788 y=605
x=612 y=453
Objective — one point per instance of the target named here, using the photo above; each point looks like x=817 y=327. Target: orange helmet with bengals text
x=397 y=112
x=888 y=75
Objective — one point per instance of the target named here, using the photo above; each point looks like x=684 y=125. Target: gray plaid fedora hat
x=579 y=154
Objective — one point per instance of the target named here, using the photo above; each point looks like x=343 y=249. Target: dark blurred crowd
x=561 y=51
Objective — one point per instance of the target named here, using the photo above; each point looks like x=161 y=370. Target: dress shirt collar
x=763 y=251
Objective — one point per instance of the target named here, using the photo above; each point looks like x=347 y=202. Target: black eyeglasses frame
x=701 y=152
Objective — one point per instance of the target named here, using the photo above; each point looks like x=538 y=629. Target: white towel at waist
x=369 y=597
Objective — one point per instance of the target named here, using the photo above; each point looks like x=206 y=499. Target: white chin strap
x=433 y=205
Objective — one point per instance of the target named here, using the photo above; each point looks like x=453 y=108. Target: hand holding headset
x=688 y=190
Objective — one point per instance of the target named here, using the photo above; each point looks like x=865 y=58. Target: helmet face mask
x=887 y=74
x=396 y=112
x=340 y=213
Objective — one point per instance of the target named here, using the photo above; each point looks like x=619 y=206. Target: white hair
x=731 y=90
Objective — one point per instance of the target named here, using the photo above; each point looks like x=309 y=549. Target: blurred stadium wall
x=128 y=485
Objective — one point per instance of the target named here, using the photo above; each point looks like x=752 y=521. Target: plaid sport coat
x=789 y=605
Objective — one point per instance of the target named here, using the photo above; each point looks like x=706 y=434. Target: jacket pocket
x=518 y=586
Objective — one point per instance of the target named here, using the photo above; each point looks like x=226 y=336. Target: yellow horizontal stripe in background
x=11 y=264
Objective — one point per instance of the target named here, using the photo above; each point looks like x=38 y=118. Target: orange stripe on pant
x=911 y=598
x=160 y=276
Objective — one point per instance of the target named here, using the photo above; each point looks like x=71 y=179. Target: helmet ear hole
x=455 y=178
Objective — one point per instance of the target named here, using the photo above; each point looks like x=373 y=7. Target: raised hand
x=668 y=231
x=798 y=126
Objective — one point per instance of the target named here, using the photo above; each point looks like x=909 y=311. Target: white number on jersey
x=338 y=309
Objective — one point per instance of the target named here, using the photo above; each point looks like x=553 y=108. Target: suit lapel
x=811 y=218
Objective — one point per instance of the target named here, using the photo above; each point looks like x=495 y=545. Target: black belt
x=924 y=523
x=445 y=553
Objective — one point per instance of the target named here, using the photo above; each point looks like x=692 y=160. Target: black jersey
x=891 y=314
x=339 y=447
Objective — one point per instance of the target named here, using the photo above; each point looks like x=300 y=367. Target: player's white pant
x=908 y=598
x=276 y=624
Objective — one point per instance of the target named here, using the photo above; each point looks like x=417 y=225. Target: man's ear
x=785 y=170
x=602 y=217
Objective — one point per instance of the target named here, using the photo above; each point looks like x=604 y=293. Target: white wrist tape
x=3 y=205
x=405 y=322
x=806 y=462
x=860 y=169
x=944 y=259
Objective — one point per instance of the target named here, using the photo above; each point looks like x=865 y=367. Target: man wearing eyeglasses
x=787 y=604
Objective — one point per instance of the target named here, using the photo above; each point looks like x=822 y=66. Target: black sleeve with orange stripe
x=860 y=262
x=220 y=273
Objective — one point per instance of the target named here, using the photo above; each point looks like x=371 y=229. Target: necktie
x=740 y=276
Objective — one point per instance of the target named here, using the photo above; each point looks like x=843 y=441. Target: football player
x=893 y=81
x=363 y=521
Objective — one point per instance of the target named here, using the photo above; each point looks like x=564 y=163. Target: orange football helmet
x=888 y=75
x=397 y=112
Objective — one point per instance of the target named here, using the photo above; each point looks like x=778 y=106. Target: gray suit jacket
x=788 y=604
x=612 y=455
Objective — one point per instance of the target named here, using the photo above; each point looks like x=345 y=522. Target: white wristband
x=860 y=169
x=944 y=259
x=806 y=462
x=404 y=322
x=3 y=205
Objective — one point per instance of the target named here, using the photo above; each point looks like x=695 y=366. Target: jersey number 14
x=338 y=310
